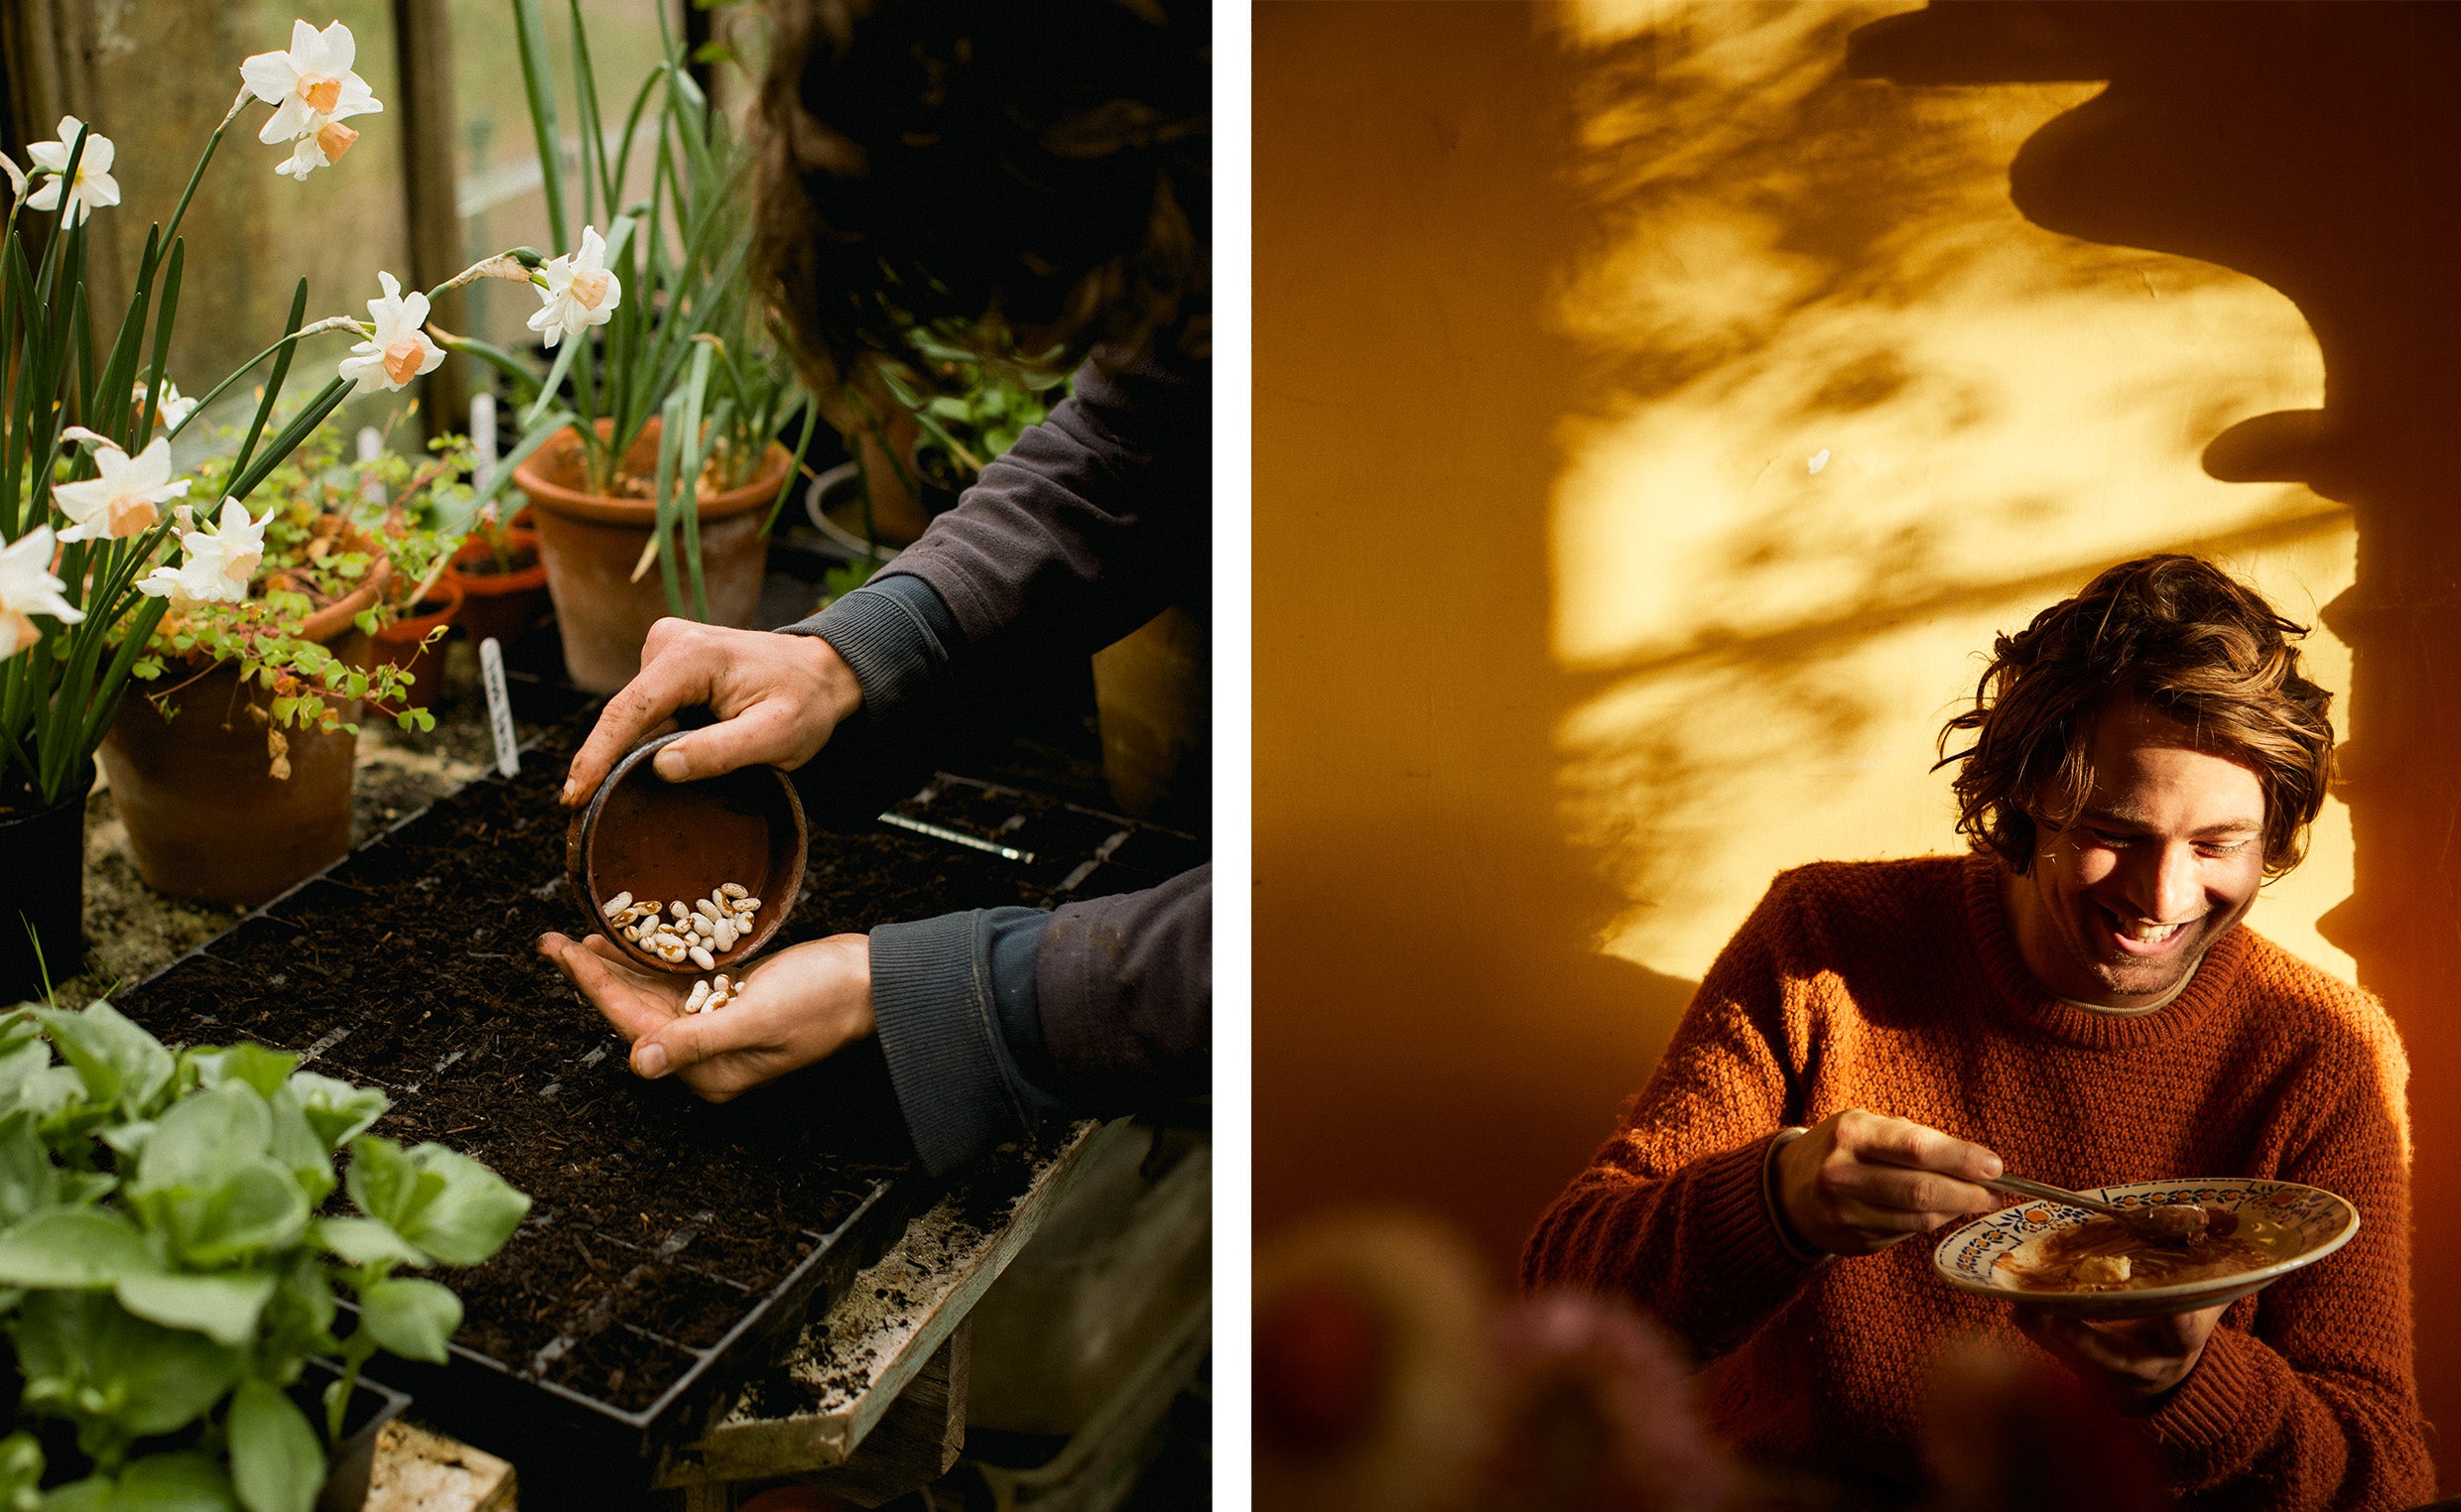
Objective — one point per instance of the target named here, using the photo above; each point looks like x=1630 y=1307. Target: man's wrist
x=1788 y=1238
x=841 y=692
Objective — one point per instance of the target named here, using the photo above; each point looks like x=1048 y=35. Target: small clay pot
x=591 y=543
x=207 y=818
x=398 y=644
x=678 y=841
x=500 y=605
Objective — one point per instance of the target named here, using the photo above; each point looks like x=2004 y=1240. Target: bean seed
x=734 y=888
x=618 y=904
x=678 y=910
x=725 y=934
x=700 y=995
x=702 y=957
x=701 y=910
x=748 y=906
x=722 y=986
x=717 y=1001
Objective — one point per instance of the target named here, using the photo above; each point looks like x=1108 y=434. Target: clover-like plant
x=171 y=1259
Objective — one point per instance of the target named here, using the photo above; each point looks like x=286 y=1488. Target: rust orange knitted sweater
x=1895 y=987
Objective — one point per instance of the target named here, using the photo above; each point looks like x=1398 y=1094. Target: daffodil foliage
x=97 y=539
x=171 y=1260
x=647 y=309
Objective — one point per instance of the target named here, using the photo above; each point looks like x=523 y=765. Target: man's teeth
x=2145 y=931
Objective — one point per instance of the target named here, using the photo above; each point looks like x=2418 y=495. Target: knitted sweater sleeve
x=2312 y=1403
x=1670 y=1212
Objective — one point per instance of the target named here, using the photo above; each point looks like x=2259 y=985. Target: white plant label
x=500 y=707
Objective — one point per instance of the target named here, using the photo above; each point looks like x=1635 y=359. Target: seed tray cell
x=672 y=1245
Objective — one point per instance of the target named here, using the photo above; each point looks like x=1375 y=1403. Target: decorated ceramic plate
x=2063 y=1259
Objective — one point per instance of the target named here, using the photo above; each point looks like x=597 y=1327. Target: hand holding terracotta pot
x=777 y=699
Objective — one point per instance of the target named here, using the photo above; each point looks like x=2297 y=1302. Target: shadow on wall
x=1434 y=1023
x=1853 y=416
x=2316 y=148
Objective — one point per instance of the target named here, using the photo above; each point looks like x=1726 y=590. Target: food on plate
x=2102 y=1254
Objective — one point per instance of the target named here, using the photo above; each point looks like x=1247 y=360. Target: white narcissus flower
x=220 y=562
x=313 y=91
x=28 y=588
x=400 y=350
x=580 y=292
x=170 y=406
x=95 y=185
x=319 y=149
x=124 y=501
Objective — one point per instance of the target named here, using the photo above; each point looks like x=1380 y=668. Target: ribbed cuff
x=2217 y=1418
x=932 y=1000
x=1739 y=1242
x=894 y=632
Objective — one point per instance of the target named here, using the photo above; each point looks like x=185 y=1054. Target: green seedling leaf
x=369 y=1242
x=183 y=1482
x=50 y=1091
x=298 y=1148
x=299 y=1320
x=224 y=1308
x=20 y=1064
x=79 y=1347
x=118 y=1062
x=71 y=1247
x=473 y=1217
x=387 y=1184
x=129 y=1138
x=277 y=1464
x=254 y=1207
x=205 y=1138
x=29 y=1182
x=20 y=1471
x=249 y=1062
x=336 y=1110
x=410 y=1318
x=95 y=1493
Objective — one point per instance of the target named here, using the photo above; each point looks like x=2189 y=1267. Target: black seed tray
x=672 y=1246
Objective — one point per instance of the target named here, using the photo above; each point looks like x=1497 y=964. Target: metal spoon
x=2162 y=1222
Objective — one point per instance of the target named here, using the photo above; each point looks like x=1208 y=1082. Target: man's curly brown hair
x=2201 y=648
x=1038 y=174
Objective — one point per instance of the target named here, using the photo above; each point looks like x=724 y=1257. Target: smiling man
x=2078 y=998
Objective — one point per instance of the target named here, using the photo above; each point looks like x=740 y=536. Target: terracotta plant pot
x=43 y=885
x=398 y=644
x=1154 y=693
x=498 y=605
x=591 y=543
x=205 y=815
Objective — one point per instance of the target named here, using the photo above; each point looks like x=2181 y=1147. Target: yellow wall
x=1564 y=645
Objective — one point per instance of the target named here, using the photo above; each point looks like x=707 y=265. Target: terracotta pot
x=496 y=604
x=205 y=815
x=898 y=513
x=398 y=644
x=591 y=543
x=1154 y=693
x=43 y=885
